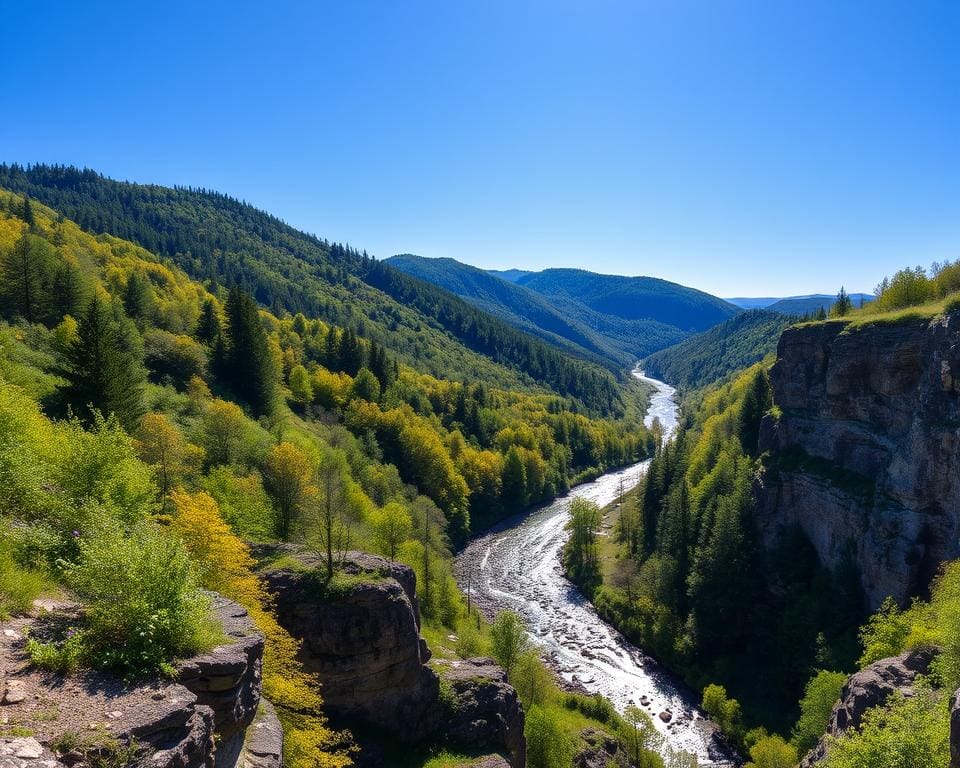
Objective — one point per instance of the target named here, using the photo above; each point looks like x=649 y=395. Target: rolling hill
x=618 y=319
x=631 y=298
x=612 y=339
x=796 y=305
x=224 y=241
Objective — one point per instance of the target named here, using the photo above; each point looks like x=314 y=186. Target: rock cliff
x=864 y=455
x=361 y=636
x=199 y=721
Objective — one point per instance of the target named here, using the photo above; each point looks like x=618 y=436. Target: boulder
x=870 y=687
x=486 y=761
x=600 y=750
x=481 y=709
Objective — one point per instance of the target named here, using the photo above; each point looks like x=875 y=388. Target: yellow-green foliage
x=227 y=567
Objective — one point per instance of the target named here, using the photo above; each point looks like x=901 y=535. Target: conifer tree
x=102 y=370
x=247 y=364
x=25 y=274
x=843 y=304
x=208 y=325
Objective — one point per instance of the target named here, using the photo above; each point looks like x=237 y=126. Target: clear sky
x=745 y=148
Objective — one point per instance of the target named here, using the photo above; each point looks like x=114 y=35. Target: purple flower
x=76 y=534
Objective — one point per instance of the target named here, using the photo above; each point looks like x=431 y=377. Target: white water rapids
x=516 y=566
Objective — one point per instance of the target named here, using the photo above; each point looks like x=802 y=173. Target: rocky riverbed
x=517 y=566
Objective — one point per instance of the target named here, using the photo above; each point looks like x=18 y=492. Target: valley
x=517 y=566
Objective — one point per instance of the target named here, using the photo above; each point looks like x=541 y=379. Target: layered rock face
x=364 y=645
x=200 y=721
x=865 y=457
x=870 y=687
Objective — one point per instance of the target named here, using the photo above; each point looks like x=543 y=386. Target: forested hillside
x=631 y=298
x=730 y=346
x=151 y=424
x=226 y=242
x=614 y=340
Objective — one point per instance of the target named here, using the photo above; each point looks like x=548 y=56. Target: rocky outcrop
x=197 y=722
x=362 y=642
x=263 y=745
x=600 y=751
x=868 y=688
x=486 y=761
x=481 y=709
x=361 y=637
x=865 y=454
x=228 y=679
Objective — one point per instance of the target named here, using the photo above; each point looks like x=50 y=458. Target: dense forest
x=726 y=348
x=151 y=426
x=224 y=241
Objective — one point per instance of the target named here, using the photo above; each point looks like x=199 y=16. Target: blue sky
x=761 y=148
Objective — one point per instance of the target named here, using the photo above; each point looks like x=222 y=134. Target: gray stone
x=868 y=688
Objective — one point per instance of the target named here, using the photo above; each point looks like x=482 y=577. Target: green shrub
x=820 y=695
x=469 y=641
x=19 y=586
x=508 y=639
x=145 y=606
x=548 y=746
x=64 y=656
x=724 y=710
x=912 y=731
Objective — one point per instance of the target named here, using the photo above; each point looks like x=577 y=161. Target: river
x=516 y=566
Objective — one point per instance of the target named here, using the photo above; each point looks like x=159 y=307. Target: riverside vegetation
x=687 y=578
x=151 y=426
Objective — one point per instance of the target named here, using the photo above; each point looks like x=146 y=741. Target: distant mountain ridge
x=796 y=305
x=617 y=319
x=632 y=298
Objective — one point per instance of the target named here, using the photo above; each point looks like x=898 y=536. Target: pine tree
x=514 y=493
x=756 y=403
x=208 y=325
x=247 y=364
x=26 y=212
x=102 y=370
x=68 y=292
x=138 y=297
x=25 y=272
x=843 y=304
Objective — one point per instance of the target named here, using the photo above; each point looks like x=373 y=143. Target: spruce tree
x=138 y=297
x=247 y=365
x=103 y=370
x=843 y=304
x=208 y=325
x=25 y=273
x=26 y=213
x=68 y=293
